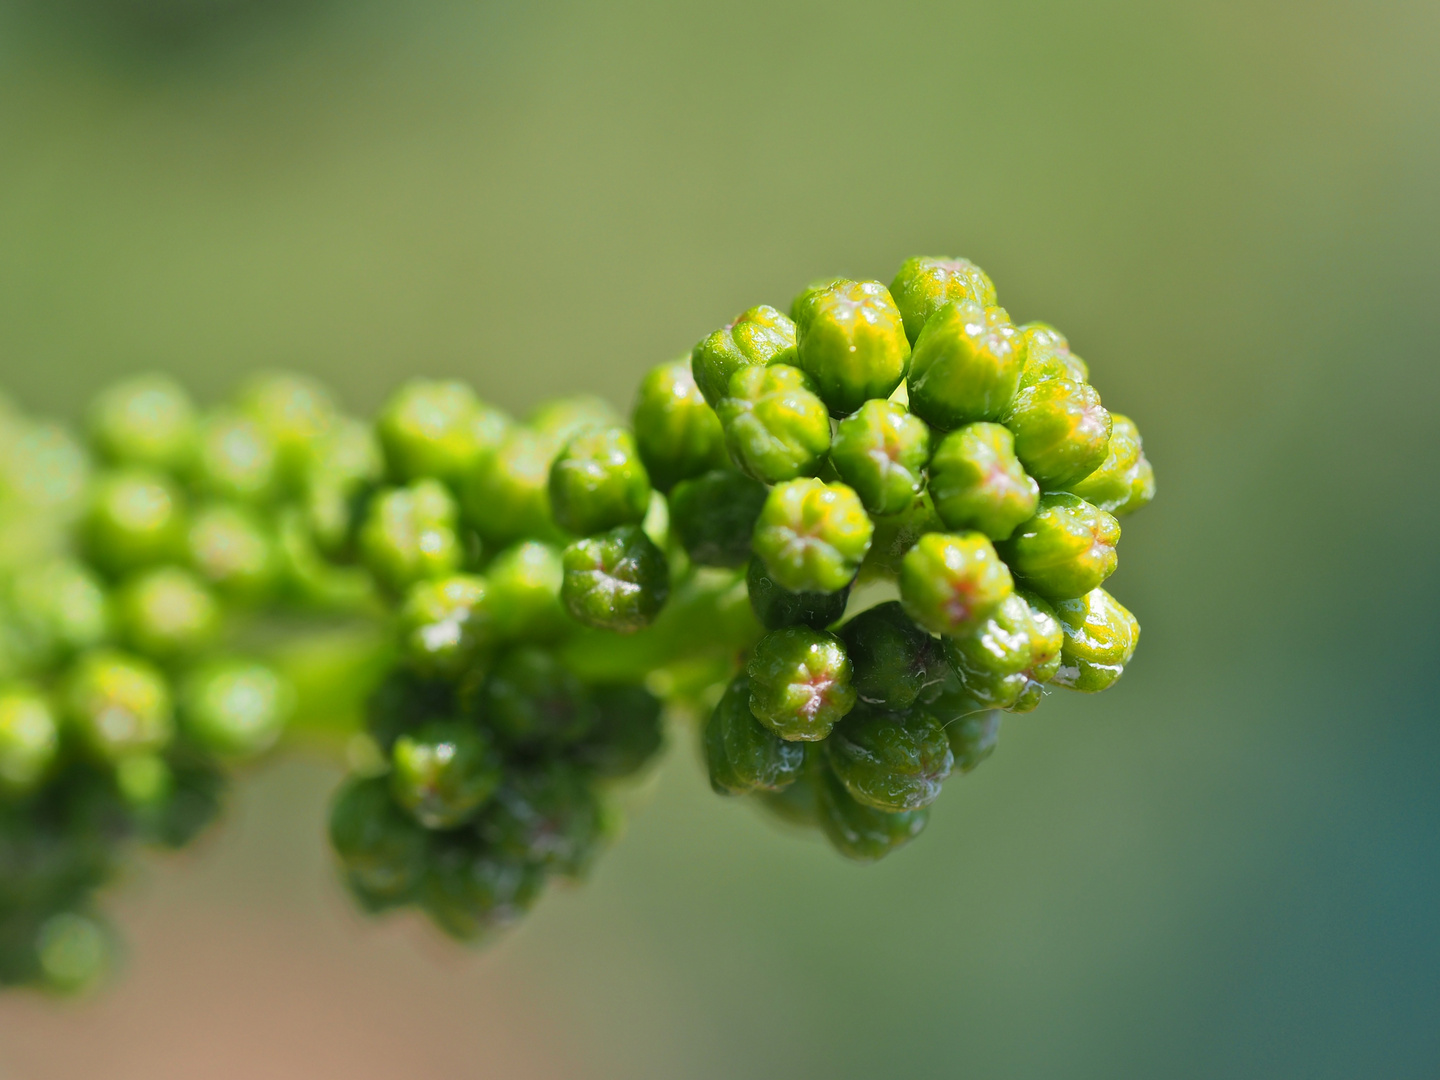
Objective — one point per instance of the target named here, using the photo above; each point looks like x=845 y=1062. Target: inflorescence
x=845 y=540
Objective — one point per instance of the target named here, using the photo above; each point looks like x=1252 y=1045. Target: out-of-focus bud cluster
x=132 y=562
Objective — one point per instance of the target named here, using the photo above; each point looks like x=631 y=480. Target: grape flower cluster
x=843 y=541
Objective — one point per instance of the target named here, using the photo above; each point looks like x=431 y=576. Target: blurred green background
x=1229 y=866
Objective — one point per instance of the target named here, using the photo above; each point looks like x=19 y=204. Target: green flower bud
x=800 y=683
x=794 y=804
x=166 y=612
x=1062 y=432
x=775 y=425
x=777 y=607
x=61 y=608
x=446 y=625
x=809 y=293
x=29 y=739
x=851 y=340
x=295 y=412
x=949 y=584
x=309 y=579
x=235 y=458
x=331 y=512
x=714 y=516
x=627 y=735
x=507 y=498
x=893 y=659
x=443 y=773
x=858 y=831
x=881 y=451
x=1142 y=487
x=978 y=483
x=410 y=534
x=525 y=582
x=145 y=783
x=618 y=580
x=890 y=761
x=549 y=816
x=966 y=367
x=235 y=708
x=189 y=802
x=678 y=434
x=812 y=536
x=1100 y=638
x=530 y=699
x=1066 y=549
x=148 y=420
x=439 y=430
x=348 y=454
x=973 y=739
x=74 y=952
x=743 y=755
x=381 y=847
x=759 y=336
x=1046 y=640
x=926 y=284
x=1112 y=487
x=895 y=535
x=404 y=701
x=231 y=549
x=560 y=420
x=118 y=705
x=470 y=891
x=599 y=482
x=993 y=661
x=1048 y=356
x=135 y=519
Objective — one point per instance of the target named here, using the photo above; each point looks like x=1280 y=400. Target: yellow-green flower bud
x=925 y=284
x=678 y=434
x=438 y=429
x=233 y=550
x=29 y=739
x=966 y=366
x=977 y=482
x=1100 y=639
x=118 y=705
x=235 y=708
x=148 y=420
x=949 y=584
x=599 y=482
x=775 y=425
x=235 y=458
x=851 y=340
x=1062 y=432
x=812 y=536
x=1048 y=356
x=136 y=518
x=166 y=613
x=881 y=451
x=1066 y=549
x=759 y=336
x=410 y=534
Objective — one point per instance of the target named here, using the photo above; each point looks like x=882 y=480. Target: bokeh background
x=1229 y=866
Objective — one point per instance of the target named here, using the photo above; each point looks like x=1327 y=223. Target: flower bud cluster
x=846 y=540
x=910 y=441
